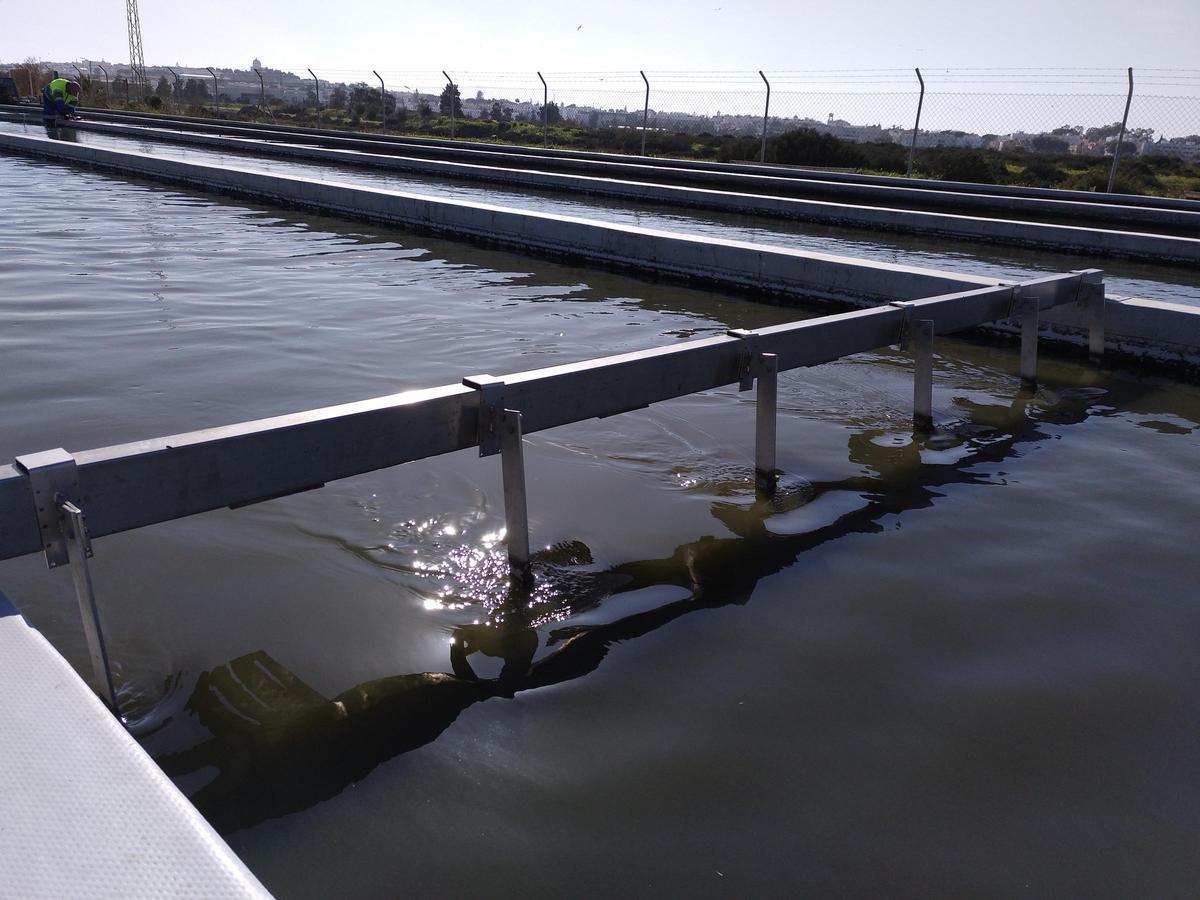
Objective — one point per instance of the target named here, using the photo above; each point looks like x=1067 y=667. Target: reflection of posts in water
x=279 y=746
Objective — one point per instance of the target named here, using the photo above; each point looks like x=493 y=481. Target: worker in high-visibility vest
x=59 y=98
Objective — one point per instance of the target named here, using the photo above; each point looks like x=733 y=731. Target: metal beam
x=132 y=485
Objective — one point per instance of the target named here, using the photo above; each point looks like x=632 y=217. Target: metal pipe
x=317 y=89
x=762 y=153
x=382 y=103
x=1112 y=173
x=545 y=111
x=451 y=95
x=912 y=149
x=645 y=111
x=216 y=108
x=80 y=71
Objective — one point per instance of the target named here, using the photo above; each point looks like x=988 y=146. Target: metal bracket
x=751 y=365
x=53 y=479
x=905 y=306
x=1023 y=303
x=491 y=410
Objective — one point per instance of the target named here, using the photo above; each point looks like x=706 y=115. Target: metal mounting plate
x=491 y=409
x=53 y=479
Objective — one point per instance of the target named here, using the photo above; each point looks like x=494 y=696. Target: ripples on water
x=1125 y=277
x=967 y=659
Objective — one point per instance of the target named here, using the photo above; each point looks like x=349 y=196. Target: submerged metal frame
x=133 y=485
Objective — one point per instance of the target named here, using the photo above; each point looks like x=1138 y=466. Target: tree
x=1044 y=143
x=338 y=96
x=1105 y=131
x=163 y=88
x=497 y=113
x=553 y=115
x=450 y=103
x=424 y=110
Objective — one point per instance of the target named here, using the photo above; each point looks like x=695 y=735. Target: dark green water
x=960 y=666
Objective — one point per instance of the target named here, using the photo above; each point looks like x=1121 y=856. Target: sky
x=618 y=34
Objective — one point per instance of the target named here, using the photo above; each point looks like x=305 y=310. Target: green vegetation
x=358 y=107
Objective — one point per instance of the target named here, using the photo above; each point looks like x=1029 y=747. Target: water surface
x=958 y=665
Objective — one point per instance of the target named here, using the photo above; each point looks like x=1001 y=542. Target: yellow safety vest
x=58 y=90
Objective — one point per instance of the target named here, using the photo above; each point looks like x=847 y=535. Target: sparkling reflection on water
x=967 y=660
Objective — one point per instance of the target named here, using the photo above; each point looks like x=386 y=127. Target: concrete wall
x=1162 y=331
x=1093 y=242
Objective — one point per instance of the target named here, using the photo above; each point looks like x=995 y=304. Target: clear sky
x=616 y=34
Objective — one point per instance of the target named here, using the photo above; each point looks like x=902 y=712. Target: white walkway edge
x=84 y=812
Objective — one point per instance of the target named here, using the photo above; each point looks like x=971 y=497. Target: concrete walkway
x=86 y=813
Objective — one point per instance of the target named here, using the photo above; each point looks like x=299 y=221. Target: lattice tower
x=136 y=61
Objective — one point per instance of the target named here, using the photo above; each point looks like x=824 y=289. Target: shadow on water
x=280 y=747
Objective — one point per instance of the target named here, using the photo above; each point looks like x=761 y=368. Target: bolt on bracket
x=491 y=410
x=53 y=479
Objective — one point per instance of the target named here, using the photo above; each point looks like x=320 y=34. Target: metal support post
x=762 y=153
x=1112 y=173
x=516 y=511
x=75 y=528
x=761 y=370
x=107 y=84
x=317 y=94
x=912 y=149
x=1091 y=299
x=382 y=102
x=545 y=111
x=216 y=93
x=499 y=431
x=53 y=480
x=645 y=111
x=1025 y=310
x=920 y=340
x=450 y=84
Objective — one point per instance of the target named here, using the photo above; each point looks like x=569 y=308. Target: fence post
x=452 y=89
x=177 y=94
x=216 y=92
x=262 y=91
x=317 y=91
x=545 y=111
x=80 y=71
x=917 y=125
x=645 y=111
x=1112 y=173
x=383 y=102
x=762 y=153
x=107 y=85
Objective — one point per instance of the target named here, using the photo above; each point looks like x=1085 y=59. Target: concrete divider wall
x=1164 y=331
x=1094 y=242
x=746 y=266
x=791 y=173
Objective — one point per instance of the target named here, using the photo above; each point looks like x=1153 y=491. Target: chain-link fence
x=890 y=120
